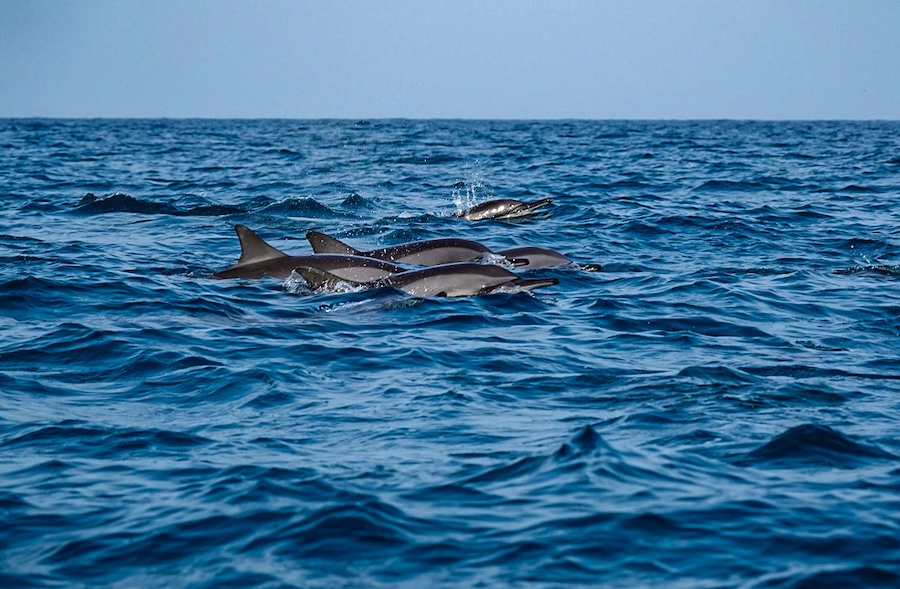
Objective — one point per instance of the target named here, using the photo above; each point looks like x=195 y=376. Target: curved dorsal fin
x=325 y=244
x=254 y=248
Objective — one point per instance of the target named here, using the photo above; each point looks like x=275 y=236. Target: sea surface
x=718 y=406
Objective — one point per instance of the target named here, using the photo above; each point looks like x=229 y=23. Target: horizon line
x=460 y=119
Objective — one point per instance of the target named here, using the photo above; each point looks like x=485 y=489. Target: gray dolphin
x=502 y=208
x=429 y=252
x=536 y=257
x=259 y=259
x=449 y=280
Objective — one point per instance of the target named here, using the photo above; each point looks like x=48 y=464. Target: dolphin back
x=527 y=284
x=531 y=258
x=520 y=285
x=318 y=278
x=325 y=244
x=527 y=207
x=502 y=208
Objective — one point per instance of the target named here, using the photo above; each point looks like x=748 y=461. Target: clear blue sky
x=640 y=59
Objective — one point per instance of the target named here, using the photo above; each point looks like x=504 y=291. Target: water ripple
x=723 y=381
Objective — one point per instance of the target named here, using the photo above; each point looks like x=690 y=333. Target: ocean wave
x=123 y=203
x=301 y=207
x=726 y=384
x=813 y=445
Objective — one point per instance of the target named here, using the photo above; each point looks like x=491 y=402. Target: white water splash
x=496 y=260
x=296 y=284
x=466 y=194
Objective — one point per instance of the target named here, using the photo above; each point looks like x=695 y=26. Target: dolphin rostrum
x=259 y=259
x=429 y=252
x=449 y=280
x=502 y=208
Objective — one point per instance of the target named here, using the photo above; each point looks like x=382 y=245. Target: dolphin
x=449 y=280
x=429 y=252
x=502 y=208
x=535 y=258
x=259 y=259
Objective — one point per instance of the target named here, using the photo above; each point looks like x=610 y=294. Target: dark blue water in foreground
x=718 y=407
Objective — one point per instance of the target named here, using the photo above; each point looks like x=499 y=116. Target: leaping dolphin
x=429 y=252
x=259 y=259
x=449 y=280
x=502 y=208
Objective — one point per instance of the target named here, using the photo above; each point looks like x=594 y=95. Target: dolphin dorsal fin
x=254 y=248
x=325 y=244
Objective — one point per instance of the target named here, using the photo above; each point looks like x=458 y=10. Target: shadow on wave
x=360 y=531
x=812 y=445
x=587 y=453
x=873 y=270
x=286 y=513
x=193 y=206
x=76 y=437
x=699 y=325
x=123 y=203
x=802 y=372
x=871 y=577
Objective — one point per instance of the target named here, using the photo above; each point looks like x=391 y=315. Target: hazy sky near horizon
x=520 y=59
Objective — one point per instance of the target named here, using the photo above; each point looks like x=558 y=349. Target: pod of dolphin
x=451 y=267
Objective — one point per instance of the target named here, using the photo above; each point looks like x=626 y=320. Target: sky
x=501 y=59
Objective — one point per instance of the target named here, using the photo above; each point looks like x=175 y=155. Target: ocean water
x=719 y=406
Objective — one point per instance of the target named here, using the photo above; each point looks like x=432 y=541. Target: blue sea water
x=719 y=406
